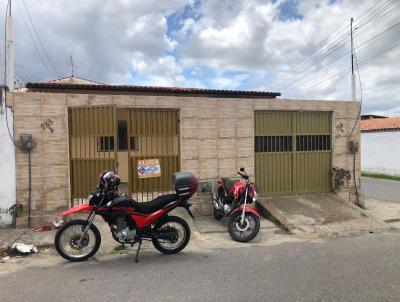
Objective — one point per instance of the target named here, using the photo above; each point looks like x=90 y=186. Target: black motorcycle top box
x=185 y=183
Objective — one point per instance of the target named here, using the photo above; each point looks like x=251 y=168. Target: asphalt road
x=362 y=268
x=381 y=189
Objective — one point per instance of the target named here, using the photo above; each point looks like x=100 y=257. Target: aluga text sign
x=149 y=168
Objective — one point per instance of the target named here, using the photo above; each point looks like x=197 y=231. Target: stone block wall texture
x=217 y=138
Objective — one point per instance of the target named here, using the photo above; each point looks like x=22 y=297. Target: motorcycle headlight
x=89 y=198
x=255 y=196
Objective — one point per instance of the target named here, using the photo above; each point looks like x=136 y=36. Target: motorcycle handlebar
x=245 y=176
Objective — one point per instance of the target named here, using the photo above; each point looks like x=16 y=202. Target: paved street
x=381 y=189
x=361 y=268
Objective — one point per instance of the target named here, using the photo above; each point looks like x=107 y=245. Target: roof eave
x=87 y=88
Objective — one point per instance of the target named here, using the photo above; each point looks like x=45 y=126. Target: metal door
x=153 y=134
x=313 y=157
x=92 y=140
x=292 y=152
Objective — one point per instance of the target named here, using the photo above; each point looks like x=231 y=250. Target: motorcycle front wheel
x=246 y=231
x=218 y=214
x=67 y=239
x=173 y=235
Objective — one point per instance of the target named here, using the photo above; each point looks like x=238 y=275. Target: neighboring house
x=380 y=145
x=7 y=163
x=371 y=116
x=75 y=80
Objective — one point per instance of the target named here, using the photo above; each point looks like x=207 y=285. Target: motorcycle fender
x=77 y=209
x=248 y=210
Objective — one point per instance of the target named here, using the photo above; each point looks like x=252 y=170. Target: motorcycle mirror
x=241 y=169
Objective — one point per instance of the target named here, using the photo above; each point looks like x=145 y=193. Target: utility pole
x=9 y=50
x=353 y=77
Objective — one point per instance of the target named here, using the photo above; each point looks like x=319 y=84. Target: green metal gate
x=154 y=134
x=106 y=137
x=293 y=152
x=92 y=137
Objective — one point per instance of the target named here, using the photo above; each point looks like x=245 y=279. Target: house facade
x=78 y=130
x=7 y=165
x=380 y=145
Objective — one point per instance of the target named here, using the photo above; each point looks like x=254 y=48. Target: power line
x=293 y=80
x=373 y=56
x=331 y=41
x=314 y=63
x=361 y=63
x=40 y=40
x=33 y=41
x=365 y=21
x=318 y=53
x=382 y=38
x=328 y=48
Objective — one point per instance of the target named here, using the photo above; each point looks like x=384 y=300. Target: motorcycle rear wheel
x=218 y=214
x=67 y=237
x=174 y=225
x=245 y=232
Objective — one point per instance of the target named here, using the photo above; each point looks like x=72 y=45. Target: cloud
x=228 y=44
x=104 y=37
x=259 y=38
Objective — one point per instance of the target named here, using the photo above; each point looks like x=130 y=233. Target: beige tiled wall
x=217 y=138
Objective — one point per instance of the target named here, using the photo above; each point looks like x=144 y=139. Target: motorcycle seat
x=229 y=184
x=146 y=207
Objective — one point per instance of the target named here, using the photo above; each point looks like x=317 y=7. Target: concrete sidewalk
x=208 y=225
x=386 y=211
x=28 y=236
x=319 y=214
x=46 y=238
x=304 y=216
x=206 y=233
x=200 y=228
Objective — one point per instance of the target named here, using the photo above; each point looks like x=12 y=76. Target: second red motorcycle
x=233 y=199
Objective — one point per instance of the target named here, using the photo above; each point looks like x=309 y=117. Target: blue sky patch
x=288 y=10
x=175 y=21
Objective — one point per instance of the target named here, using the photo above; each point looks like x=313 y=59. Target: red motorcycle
x=130 y=221
x=233 y=199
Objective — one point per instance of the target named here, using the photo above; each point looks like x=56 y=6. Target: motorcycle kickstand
x=137 y=251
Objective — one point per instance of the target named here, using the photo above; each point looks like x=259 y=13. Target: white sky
x=224 y=44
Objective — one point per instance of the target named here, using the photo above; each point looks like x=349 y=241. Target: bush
x=340 y=177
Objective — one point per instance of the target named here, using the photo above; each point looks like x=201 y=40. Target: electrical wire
x=386 y=42
x=295 y=72
x=40 y=40
x=380 y=43
x=33 y=41
x=335 y=47
x=381 y=13
x=336 y=38
x=372 y=57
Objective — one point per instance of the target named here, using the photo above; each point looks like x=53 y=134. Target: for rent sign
x=148 y=168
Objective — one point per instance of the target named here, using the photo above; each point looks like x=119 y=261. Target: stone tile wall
x=217 y=138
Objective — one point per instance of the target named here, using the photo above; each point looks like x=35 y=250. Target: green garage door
x=292 y=152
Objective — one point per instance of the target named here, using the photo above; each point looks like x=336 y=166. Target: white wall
x=7 y=169
x=380 y=152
